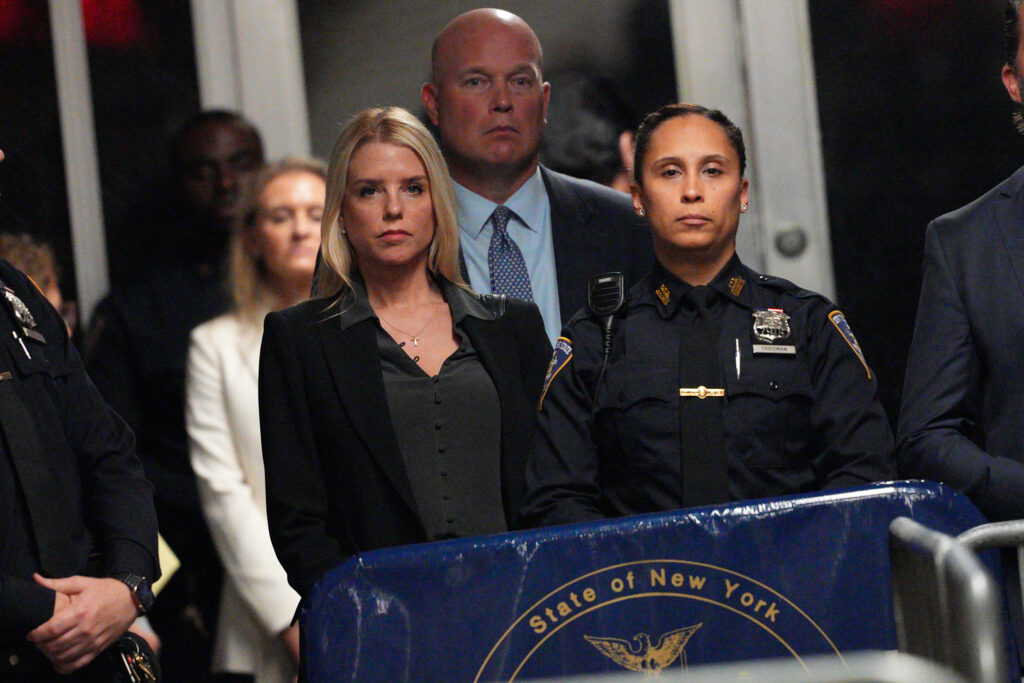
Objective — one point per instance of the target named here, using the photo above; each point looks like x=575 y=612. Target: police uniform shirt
x=799 y=410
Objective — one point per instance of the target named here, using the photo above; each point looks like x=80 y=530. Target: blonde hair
x=396 y=126
x=251 y=288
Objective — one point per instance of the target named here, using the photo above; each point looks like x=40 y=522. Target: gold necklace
x=415 y=337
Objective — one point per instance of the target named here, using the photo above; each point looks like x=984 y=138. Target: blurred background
x=864 y=119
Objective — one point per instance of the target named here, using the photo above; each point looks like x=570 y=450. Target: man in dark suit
x=77 y=508
x=962 y=420
x=525 y=231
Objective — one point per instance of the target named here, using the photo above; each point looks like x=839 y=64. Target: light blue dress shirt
x=530 y=227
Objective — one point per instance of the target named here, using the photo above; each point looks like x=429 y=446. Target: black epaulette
x=786 y=287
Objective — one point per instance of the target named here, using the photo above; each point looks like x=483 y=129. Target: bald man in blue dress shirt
x=488 y=100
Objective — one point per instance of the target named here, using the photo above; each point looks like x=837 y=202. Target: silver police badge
x=771 y=325
x=21 y=311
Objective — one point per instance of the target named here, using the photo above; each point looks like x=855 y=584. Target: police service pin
x=771 y=325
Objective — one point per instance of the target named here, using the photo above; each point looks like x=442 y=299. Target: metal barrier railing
x=946 y=604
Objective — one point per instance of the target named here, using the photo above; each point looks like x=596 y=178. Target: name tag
x=780 y=349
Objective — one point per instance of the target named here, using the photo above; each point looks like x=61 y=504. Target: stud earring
x=743 y=206
x=640 y=212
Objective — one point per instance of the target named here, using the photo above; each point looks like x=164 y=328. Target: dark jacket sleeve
x=117 y=497
x=297 y=500
x=857 y=443
x=562 y=473
x=942 y=399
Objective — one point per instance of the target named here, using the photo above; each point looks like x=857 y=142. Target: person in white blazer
x=273 y=255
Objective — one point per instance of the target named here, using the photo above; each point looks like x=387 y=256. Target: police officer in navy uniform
x=78 y=532
x=712 y=383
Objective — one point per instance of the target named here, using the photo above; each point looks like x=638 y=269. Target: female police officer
x=718 y=383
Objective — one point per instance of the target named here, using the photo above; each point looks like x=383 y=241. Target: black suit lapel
x=1009 y=215
x=578 y=242
x=487 y=337
x=352 y=357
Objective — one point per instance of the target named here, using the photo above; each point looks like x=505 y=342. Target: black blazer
x=961 y=421
x=595 y=230
x=336 y=484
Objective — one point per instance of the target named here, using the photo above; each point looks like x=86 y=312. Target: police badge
x=771 y=325
x=21 y=311
x=23 y=316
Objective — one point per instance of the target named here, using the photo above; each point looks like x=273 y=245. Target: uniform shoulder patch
x=839 y=320
x=559 y=359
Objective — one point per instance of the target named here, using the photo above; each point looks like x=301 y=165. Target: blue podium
x=783 y=577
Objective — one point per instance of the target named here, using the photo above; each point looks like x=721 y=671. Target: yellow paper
x=169 y=564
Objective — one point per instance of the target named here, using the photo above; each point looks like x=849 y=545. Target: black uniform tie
x=702 y=446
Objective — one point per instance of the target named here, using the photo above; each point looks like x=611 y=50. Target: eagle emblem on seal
x=771 y=325
x=642 y=655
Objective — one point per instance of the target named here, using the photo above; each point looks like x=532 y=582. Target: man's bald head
x=488 y=99
x=468 y=26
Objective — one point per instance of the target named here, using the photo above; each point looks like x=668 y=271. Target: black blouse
x=448 y=428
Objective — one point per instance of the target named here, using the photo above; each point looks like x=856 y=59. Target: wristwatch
x=142 y=592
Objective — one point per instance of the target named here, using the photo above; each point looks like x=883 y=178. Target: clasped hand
x=88 y=615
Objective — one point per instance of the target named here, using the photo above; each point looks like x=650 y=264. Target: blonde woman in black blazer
x=396 y=406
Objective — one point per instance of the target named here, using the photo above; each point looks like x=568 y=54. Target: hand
x=60 y=601
x=98 y=612
x=290 y=638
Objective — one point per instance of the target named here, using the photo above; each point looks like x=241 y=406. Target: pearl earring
x=641 y=213
x=743 y=206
